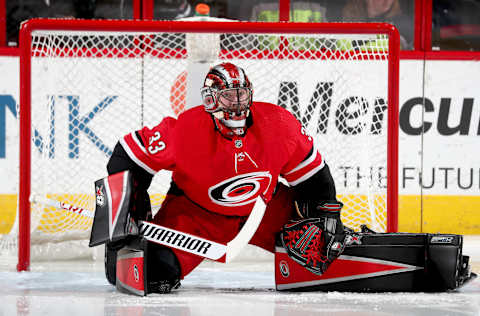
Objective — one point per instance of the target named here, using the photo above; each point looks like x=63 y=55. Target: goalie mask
x=227 y=95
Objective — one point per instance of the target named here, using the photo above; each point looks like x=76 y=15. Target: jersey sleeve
x=152 y=148
x=304 y=159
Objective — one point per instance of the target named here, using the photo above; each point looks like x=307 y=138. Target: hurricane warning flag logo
x=240 y=190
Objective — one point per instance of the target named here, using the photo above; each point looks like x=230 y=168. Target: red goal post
x=152 y=65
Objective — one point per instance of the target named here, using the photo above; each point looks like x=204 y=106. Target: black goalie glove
x=315 y=242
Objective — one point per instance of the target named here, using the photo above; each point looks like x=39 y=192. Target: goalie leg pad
x=111 y=249
x=163 y=269
x=383 y=262
x=143 y=267
x=131 y=269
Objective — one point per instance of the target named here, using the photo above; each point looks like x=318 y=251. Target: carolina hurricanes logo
x=136 y=273
x=284 y=270
x=240 y=190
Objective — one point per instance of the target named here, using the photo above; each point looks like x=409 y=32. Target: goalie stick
x=180 y=240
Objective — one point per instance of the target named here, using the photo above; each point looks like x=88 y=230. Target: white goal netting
x=91 y=87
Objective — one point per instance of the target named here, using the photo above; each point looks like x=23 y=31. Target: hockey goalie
x=224 y=155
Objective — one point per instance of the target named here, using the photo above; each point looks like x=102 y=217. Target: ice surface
x=80 y=288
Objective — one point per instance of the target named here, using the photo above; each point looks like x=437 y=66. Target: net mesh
x=91 y=88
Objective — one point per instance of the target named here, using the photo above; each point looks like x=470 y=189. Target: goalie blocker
x=383 y=262
x=132 y=264
x=112 y=219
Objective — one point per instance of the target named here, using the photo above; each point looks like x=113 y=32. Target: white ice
x=242 y=288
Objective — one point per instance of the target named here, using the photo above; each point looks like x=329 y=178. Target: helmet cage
x=233 y=100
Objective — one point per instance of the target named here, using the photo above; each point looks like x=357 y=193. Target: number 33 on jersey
x=155 y=144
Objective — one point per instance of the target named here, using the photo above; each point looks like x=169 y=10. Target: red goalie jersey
x=226 y=175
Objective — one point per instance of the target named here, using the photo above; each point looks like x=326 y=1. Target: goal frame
x=198 y=27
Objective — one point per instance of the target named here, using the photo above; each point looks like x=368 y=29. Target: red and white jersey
x=226 y=175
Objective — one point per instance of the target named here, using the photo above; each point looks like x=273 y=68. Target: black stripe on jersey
x=137 y=133
x=310 y=153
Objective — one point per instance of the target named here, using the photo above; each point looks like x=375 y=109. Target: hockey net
x=85 y=84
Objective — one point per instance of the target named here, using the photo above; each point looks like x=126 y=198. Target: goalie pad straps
x=112 y=220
